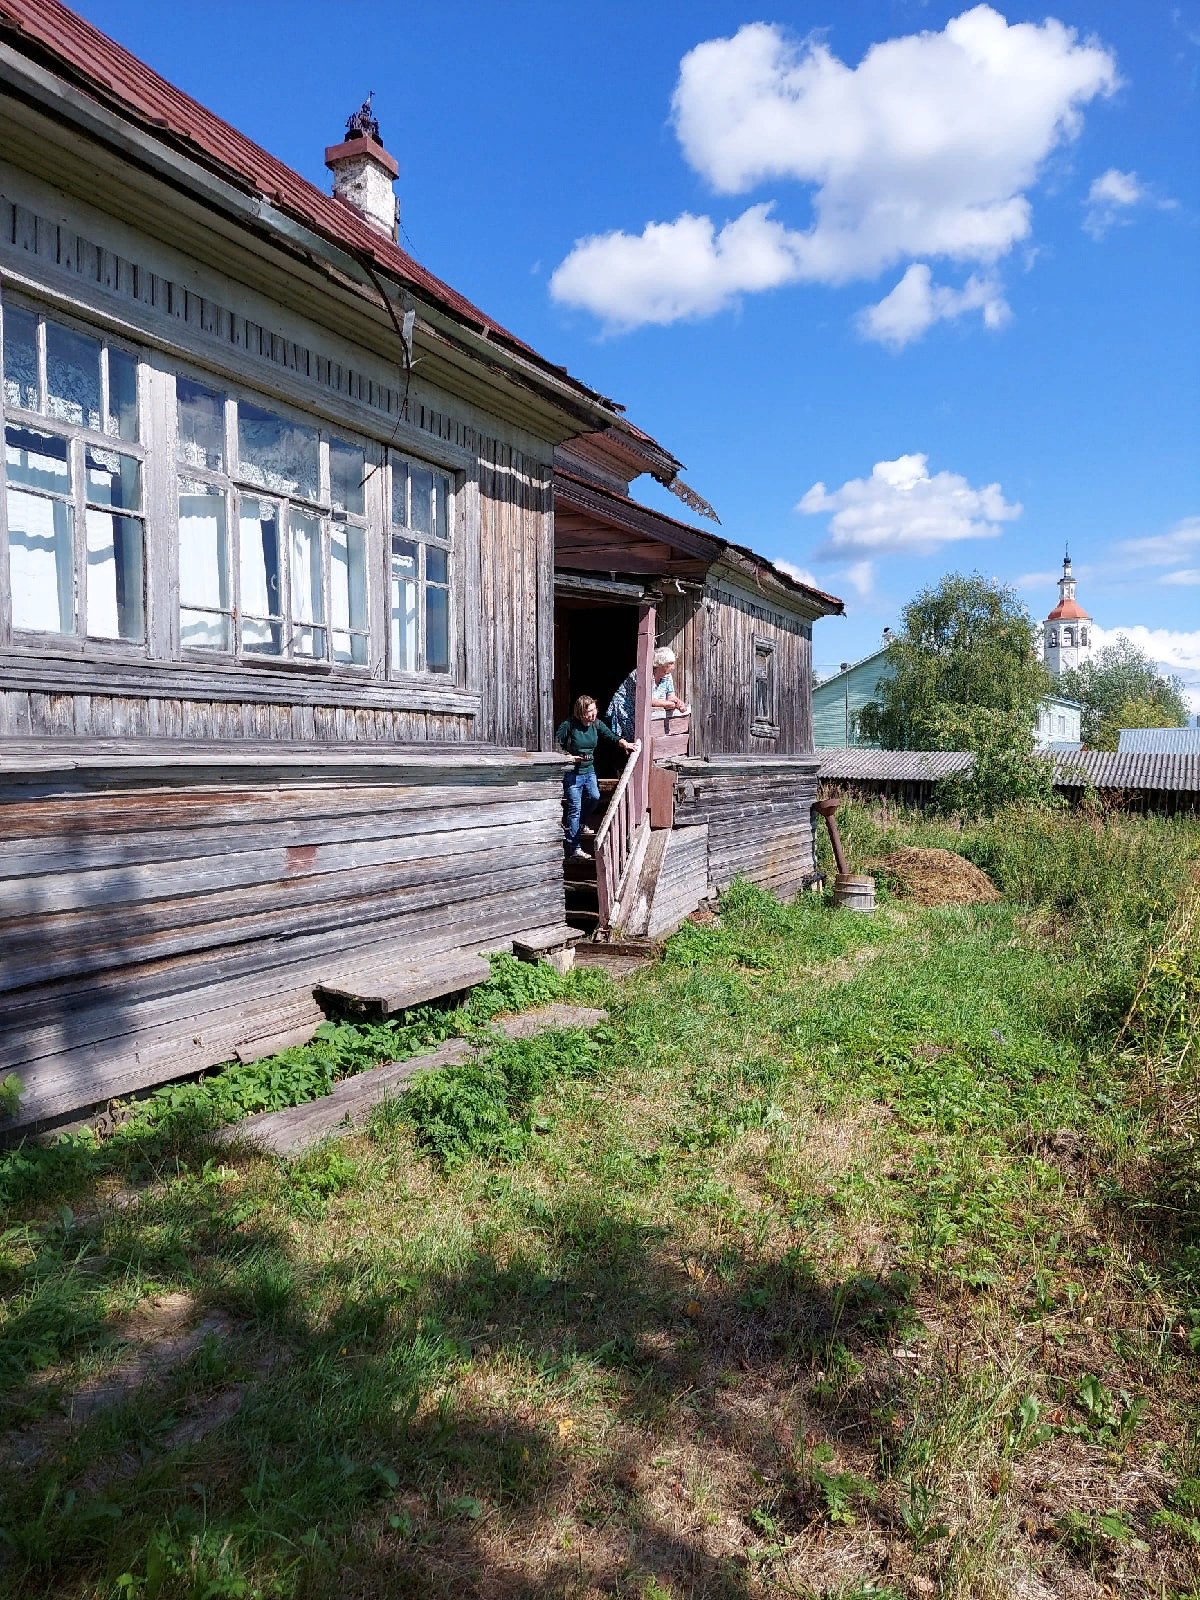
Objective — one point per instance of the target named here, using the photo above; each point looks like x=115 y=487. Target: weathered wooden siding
x=713 y=638
x=160 y=907
x=25 y=713
x=759 y=817
x=516 y=549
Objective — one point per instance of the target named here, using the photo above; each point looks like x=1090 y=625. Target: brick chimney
x=363 y=171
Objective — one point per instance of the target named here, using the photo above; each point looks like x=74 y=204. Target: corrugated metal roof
x=1111 y=769
x=1103 y=769
x=48 y=31
x=902 y=766
x=1159 y=741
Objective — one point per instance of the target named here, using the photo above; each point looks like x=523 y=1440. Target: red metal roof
x=1068 y=611
x=118 y=80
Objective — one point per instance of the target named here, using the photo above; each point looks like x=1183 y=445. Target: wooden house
x=300 y=554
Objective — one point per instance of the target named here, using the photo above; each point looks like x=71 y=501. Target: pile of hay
x=934 y=877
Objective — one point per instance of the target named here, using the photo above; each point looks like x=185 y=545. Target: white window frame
x=234 y=484
x=79 y=438
x=424 y=543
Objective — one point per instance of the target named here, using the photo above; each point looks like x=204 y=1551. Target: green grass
x=851 y=1256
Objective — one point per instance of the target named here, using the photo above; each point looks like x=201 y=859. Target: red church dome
x=1068 y=611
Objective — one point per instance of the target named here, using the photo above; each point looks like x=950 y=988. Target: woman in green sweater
x=578 y=737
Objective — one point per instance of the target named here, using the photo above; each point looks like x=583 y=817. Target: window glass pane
x=309 y=643
x=20 y=358
x=201 y=427
x=259 y=530
x=205 y=630
x=441 y=506
x=421 y=497
x=36 y=460
x=40 y=563
x=72 y=376
x=112 y=479
x=437 y=630
x=277 y=454
x=114 y=577
x=400 y=493
x=203 y=559
x=122 y=395
x=347 y=474
x=348 y=593
x=404 y=606
x=436 y=565
x=306 y=575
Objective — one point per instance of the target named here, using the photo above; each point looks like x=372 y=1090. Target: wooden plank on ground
x=349 y=1103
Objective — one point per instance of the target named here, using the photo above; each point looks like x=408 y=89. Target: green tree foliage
x=965 y=675
x=1120 y=687
x=964 y=647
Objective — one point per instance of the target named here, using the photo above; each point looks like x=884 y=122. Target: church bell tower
x=1067 y=631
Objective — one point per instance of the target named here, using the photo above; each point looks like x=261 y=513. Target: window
x=1083 y=636
x=1053 y=638
x=268 y=518
x=422 y=525
x=764 y=720
x=272 y=532
x=72 y=482
x=1068 y=636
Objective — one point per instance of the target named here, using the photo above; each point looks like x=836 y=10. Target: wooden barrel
x=854 y=892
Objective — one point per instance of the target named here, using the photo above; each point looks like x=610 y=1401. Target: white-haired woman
x=621 y=713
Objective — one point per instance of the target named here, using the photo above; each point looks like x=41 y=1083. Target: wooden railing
x=617 y=836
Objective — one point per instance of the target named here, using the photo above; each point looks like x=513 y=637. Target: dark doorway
x=595 y=647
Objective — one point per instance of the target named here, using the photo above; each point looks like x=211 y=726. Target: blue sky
x=909 y=287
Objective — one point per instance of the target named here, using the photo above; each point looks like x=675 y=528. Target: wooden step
x=538 y=941
x=380 y=989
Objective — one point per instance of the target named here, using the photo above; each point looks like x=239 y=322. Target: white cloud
x=1165 y=549
x=925 y=149
x=801 y=574
x=1111 y=198
x=900 y=507
x=861 y=577
x=1185 y=576
x=916 y=303
x=675 y=270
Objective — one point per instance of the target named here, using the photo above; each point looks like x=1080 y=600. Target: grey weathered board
x=380 y=990
x=166 y=907
x=682 y=880
x=537 y=942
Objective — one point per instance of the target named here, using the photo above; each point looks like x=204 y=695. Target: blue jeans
x=581 y=796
